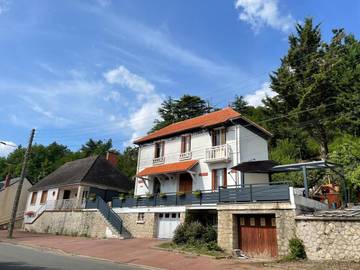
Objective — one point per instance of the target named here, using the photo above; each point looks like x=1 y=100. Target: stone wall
x=75 y=223
x=228 y=227
x=142 y=229
x=330 y=239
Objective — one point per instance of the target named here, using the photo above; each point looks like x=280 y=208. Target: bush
x=194 y=234
x=210 y=234
x=297 y=249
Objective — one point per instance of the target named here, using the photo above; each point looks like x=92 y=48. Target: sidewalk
x=132 y=251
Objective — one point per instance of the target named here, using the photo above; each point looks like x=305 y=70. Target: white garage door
x=167 y=223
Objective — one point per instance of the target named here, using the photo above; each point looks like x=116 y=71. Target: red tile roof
x=203 y=121
x=168 y=168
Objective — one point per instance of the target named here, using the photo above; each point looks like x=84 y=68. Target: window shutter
x=225 y=177
x=213 y=180
x=183 y=144
x=223 y=136
x=189 y=142
x=163 y=149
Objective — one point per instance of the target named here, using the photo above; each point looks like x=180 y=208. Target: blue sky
x=100 y=68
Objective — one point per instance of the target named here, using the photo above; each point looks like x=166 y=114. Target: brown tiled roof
x=203 y=121
x=92 y=171
x=168 y=168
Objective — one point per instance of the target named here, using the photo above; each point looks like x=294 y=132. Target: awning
x=260 y=166
x=168 y=168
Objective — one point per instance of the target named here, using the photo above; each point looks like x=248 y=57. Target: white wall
x=245 y=146
x=51 y=196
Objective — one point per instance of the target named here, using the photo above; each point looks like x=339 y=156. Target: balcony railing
x=232 y=194
x=158 y=160
x=218 y=153
x=185 y=156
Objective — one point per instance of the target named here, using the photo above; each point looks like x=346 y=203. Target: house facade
x=68 y=187
x=198 y=154
x=189 y=169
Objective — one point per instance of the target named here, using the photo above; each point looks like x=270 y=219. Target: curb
x=61 y=252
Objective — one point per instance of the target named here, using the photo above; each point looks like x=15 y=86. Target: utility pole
x=18 y=192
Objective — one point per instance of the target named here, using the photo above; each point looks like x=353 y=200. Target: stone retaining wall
x=74 y=223
x=330 y=239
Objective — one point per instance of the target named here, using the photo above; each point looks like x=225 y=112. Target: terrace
x=268 y=192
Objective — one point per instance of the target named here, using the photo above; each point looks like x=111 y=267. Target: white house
x=198 y=154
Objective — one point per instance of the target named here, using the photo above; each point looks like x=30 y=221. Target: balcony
x=185 y=156
x=219 y=153
x=158 y=160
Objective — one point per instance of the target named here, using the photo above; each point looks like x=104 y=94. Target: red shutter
x=225 y=178
x=182 y=144
x=213 y=180
x=163 y=149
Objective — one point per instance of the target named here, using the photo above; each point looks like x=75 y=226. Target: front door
x=257 y=235
x=185 y=183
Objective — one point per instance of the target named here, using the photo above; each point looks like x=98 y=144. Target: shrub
x=210 y=234
x=197 y=193
x=162 y=195
x=179 y=234
x=297 y=249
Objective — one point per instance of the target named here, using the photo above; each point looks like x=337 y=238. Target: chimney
x=112 y=157
x=7 y=181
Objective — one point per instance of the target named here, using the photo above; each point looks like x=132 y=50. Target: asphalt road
x=13 y=257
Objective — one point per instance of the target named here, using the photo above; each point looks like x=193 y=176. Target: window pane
x=252 y=221
x=242 y=221
x=161 y=215
x=167 y=215
x=262 y=222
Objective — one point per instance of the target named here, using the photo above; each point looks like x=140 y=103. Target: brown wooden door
x=257 y=235
x=185 y=184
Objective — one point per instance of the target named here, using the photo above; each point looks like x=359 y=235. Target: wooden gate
x=185 y=184
x=257 y=235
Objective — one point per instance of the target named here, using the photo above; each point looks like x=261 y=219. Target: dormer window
x=159 y=149
x=218 y=136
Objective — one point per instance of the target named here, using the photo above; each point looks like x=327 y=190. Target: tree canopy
x=175 y=110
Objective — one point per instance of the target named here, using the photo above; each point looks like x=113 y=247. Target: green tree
x=128 y=161
x=307 y=84
x=175 y=110
x=96 y=147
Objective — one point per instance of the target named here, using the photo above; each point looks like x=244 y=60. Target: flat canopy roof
x=177 y=167
x=270 y=166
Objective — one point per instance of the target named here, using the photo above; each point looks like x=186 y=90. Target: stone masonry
x=228 y=227
x=75 y=223
x=330 y=239
x=135 y=228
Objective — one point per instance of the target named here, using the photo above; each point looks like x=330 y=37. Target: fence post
x=97 y=203
x=251 y=194
x=219 y=190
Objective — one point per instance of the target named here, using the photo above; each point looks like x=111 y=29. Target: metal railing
x=218 y=153
x=107 y=212
x=69 y=204
x=158 y=160
x=231 y=194
x=185 y=156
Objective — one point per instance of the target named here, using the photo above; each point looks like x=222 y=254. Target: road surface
x=14 y=257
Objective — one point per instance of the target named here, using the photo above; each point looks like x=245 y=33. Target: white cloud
x=125 y=78
x=145 y=109
x=259 y=13
x=256 y=98
x=4 y=6
x=113 y=96
x=7 y=149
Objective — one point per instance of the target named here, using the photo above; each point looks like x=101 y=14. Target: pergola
x=271 y=167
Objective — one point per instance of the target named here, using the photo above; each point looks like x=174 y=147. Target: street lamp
x=4 y=143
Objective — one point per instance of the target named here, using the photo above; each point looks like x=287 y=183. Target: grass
x=198 y=250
